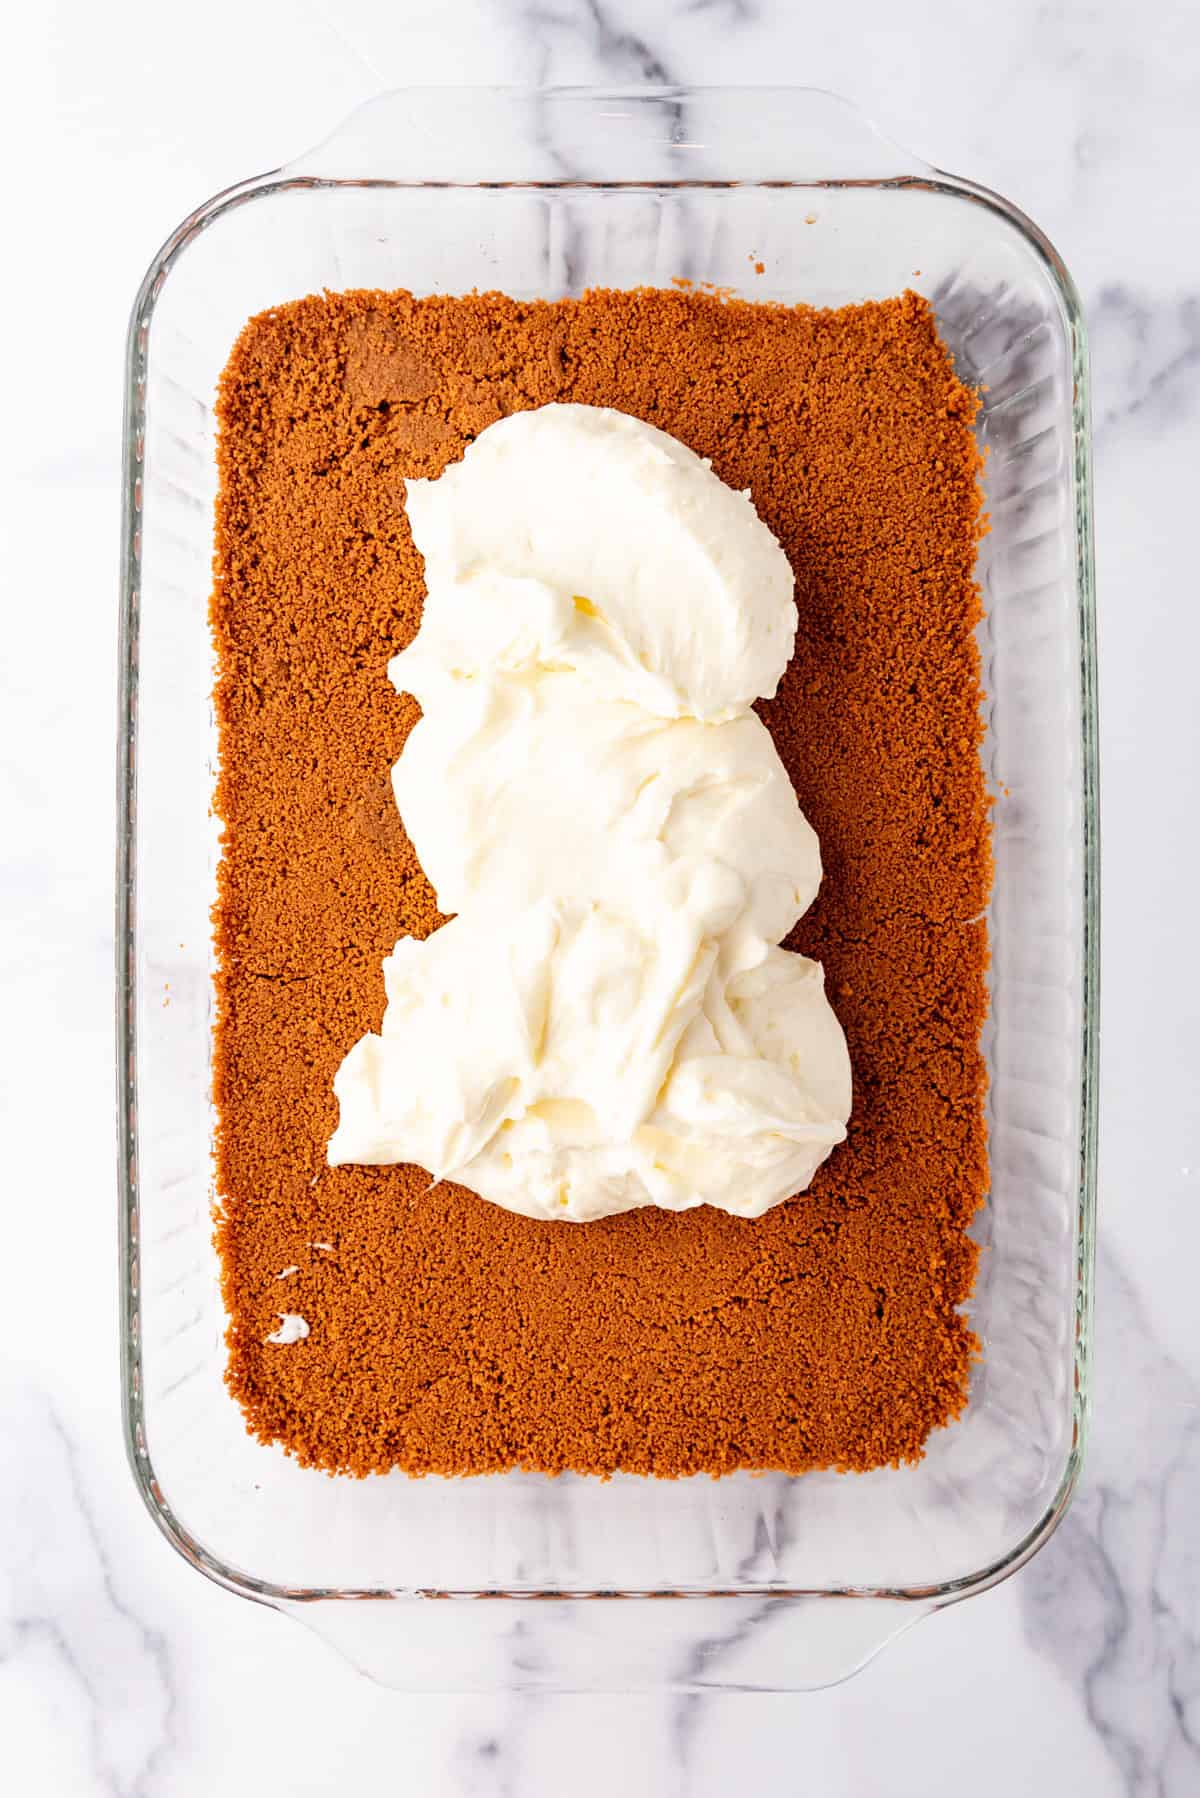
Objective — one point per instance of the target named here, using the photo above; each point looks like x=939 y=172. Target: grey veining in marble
x=1150 y=353
x=64 y=1609
x=1117 y=1603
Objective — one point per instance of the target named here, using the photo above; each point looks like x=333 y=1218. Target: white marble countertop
x=122 y=1671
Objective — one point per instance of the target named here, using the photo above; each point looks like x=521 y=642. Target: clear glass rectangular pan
x=548 y=193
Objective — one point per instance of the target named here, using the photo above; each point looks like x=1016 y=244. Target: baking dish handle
x=515 y=136
x=608 y=1644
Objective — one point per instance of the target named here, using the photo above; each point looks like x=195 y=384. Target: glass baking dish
x=780 y=1582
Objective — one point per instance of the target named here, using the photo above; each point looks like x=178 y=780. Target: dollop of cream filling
x=608 y=1021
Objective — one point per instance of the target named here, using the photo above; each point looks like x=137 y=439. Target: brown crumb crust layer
x=447 y=1335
